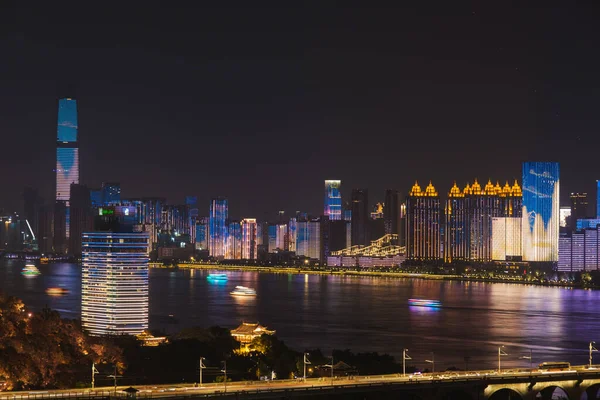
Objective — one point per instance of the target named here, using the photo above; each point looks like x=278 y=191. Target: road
x=165 y=391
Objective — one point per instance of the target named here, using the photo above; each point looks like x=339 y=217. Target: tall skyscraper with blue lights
x=333 y=200
x=217 y=227
x=540 y=226
x=67 y=162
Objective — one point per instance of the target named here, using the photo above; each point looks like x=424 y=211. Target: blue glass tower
x=540 y=224
x=333 y=200
x=217 y=227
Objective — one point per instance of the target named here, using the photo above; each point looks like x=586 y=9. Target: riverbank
x=373 y=273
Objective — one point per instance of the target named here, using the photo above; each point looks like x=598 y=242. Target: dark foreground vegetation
x=43 y=351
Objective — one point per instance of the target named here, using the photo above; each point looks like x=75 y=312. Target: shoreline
x=379 y=274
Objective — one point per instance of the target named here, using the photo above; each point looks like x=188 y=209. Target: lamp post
x=529 y=357
x=94 y=372
x=405 y=357
x=432 y=362
x=332 y=369
x=306 y=361
x=592 y=349
x=202 y=366
x=224 y=370
x=500 y=354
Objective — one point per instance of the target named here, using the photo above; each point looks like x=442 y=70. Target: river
x=359 y=313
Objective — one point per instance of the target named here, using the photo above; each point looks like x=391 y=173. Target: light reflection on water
x=362 y=314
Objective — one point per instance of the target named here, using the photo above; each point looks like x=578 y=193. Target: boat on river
x=56 y=291
x=30 y=270
x=424 y=303
x=217 y=277
x=243 y=291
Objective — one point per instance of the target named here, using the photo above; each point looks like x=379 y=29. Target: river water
x=359 y=313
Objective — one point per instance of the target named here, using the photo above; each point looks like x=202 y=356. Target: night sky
x=262 y=104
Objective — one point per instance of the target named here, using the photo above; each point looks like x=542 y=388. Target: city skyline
x=392 y=116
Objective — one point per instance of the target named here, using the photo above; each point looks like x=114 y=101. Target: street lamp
x=202 y=366
x=405 y=357
x=529 y=357
x=306 y=361
x=94 y=372
x=592 y=349
x=224 y=370
x=432 y=362
x=500 y=354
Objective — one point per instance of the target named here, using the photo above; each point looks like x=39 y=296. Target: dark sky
x=262 y=104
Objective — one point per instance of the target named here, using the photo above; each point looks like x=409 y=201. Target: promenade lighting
x=529 y=357
x=306 y=361
x=202 y=366
x=405 y=357
x=592 y=349
x=432 y=362
x=224 y=371
x=500 y=354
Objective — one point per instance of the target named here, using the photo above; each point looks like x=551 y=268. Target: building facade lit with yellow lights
x=423 y=224
x=249 y=239
x=469 y=217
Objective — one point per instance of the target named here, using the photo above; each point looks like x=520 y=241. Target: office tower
x=506 y=239
x=308 y=238
x=598 y=199
x=292 y=225
x=201 y=230
x=272 y=238
x=391 y=211
x=483 y=205
x=217 y=227
x=423 y=240
x=111 y=193
x=565 y=214
x=192 y=203
x=540 y=226
x=338 y=239
x=46 y=229
x=81 y=216
x=114 y=283
x=360 y=217
x=456 y=246
x=579 y=206
x=249 y=239
x=67 y=160
x=233 y=249
x=579 y=251
x=281 y=237
x=60 y=243
x=333 y=200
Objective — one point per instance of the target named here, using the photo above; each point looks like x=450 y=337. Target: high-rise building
x=67 y=158
x=579 y=206
x=233 y=249
x=111 y=193
x=579 y=251
x=60 y=243
x=249 y=239
x=565 y=214
x=272 y=238
x=292 y=226
x=114 y=283
x=423 y=224
x=391 y=211
x=81 y=216
x=333 y=200
x=281 y=237
x=598 y=199
x=201 y=238
x=540 y=227
x=360 y=217
x=46 y=229
x=456 y=236
x=308 y=238
x=217 y=227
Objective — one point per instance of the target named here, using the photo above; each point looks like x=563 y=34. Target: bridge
x=578 y=383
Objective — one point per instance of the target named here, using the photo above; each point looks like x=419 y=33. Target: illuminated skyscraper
x=423 y=223
x=249 y=239
x=540 y=211
x=217 y=227
x=114 y=283
x=308 y=239
x=333 y=200
x=579 y=206
x=67 y=157
x=457 y=227
x=233 y=249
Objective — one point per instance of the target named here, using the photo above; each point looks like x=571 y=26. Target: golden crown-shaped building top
x=430 y=190
x=498 y=188
x=475 y=187
x=506 y=190
x=516 y=189
x=467 y=189
x=416 y=190
x=455 y=191
x=489 y=188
